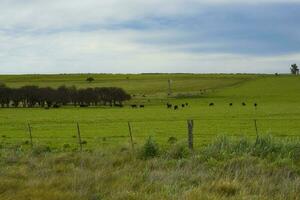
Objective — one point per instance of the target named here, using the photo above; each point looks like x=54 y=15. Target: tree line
x=34 y=96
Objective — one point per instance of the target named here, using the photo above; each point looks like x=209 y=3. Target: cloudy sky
x=133 y=36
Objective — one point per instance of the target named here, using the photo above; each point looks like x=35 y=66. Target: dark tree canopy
x=90 y=79
x=33 y=96
x=294 y=69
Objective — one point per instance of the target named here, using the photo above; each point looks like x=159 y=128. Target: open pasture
x=277 y=113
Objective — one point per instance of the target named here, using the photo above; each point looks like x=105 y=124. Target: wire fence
x=95 y=134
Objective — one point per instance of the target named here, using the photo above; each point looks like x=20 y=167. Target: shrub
x=178 y=151
x=38 y=150
x=66 y=146
x=172 y=140
x=90 y=79
x=26 y=142
x=83 y=142
x=150 y=149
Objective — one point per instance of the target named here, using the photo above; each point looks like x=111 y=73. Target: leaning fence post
x=190 y=134
x=79 y=136
x=30 y=135
x=130 y=134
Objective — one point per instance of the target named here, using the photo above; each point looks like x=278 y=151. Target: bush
x=26 y=142
x=179 y=151
x=83 y=142
x=66 y=146
x=90 y=79
x=38 y=150
x=150 y=149
x=172 y=140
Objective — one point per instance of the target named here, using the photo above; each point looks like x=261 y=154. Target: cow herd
x=176 y=107
x=183 y=105
x=231 y=104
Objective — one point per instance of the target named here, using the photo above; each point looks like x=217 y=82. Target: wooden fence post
x=79 y=136
x=130 y=134
x=30 y=135
x=190 y=134
x=256 y=130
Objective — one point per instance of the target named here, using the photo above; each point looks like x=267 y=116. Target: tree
x=294 y=69
x=32 y=96
x=90 y=79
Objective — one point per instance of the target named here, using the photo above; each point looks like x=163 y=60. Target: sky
x=150 y=36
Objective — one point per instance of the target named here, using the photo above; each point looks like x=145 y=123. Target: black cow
x=83 y=105
x=186 y=104
x=169 y=105
x=255 y=105
x=211 y=104
x=183 y=105
x=175 y=107
x=142 y=106
x=133 y=106
x=230 y=104
x=244 y=104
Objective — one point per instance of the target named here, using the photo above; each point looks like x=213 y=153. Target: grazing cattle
x=169 y=105
x=255 y=105
x=230 y=104
x=183 y=105
x=175 y=107
x=134 y=106
x=83 y=105
x=186 y=104
x=142 y=106
x=244 y=104
x=211 y=104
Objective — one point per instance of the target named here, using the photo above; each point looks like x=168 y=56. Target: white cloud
x=105 y=51
x=25 y=48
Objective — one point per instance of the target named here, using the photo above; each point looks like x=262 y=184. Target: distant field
x=278 y=111
x=151 y=84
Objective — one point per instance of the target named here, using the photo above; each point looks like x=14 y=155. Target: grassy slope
x=277 y=114
x=140 y=84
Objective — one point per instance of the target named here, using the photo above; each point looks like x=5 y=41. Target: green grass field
x=278 y=111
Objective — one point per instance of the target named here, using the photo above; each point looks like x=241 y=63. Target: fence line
x=193 y=133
